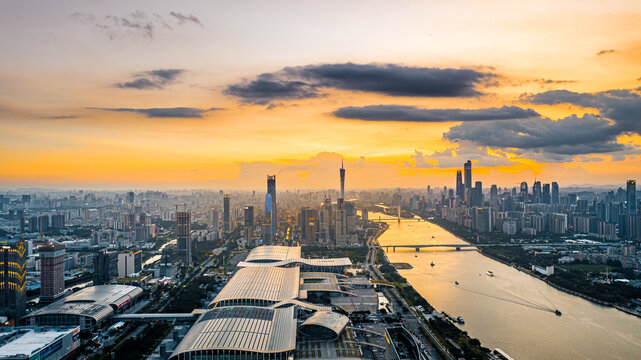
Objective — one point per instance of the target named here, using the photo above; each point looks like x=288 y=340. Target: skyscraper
x=524 y=191
x=536 y=191
x=52 y=272
x=342 y=173
x=249 y=216
x=545 y=194
x=631 y=196
x=183 y=233
x=214 y=218
x=494 y=195
x=467 y=172
x=226 y=214
x=477 y=194
x=460 y=191
x=554 y=196
x=13 y=276
x=271 y=190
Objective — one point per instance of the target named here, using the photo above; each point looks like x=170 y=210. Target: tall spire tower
x=342 y=172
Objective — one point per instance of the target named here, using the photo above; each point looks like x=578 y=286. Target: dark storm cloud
x=605 y=52
x=414 y=114
x=623 y=107
x=387 y=79
x=568 y=136
x=182 y=18
x=267 y=88
x=176 y=112
x=154 y=79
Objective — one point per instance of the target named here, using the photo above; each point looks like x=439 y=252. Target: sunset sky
x=218 y=94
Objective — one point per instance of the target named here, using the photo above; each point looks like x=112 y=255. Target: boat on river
x=456 y=282
x=489 y=273
x=432 y=264
x=557 y=312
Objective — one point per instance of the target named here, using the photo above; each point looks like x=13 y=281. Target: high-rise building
x=554 y=195
x=342 y=174
x=308 y=221
x=545 y=194
x=226 y=214
x=460 y=192
x=536 y=191
x=130 y=197
x=52 y=272
x=271 y=190
x=524 y=191
x=43 y=223
x=58 y=221
x=13 y=277
x=249 y=216
x=33 y=224
x=324 y=236
x=494 y=195
x=214 y=218
x=477 y=194
x=129 y=263
x=631 y=196
x=183 y=233
x=21 y=220
x=141 y=233
x=105 y=267
x=467 y=173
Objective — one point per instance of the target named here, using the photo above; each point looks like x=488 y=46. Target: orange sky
x=61 y=64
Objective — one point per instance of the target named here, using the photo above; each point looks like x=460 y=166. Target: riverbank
x=454 y=339
x=535 y=275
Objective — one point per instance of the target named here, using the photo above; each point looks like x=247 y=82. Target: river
x=512 y=311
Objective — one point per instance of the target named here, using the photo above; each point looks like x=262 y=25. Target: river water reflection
x=512 y=310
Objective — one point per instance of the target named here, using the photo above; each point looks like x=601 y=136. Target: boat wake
x=529 y=304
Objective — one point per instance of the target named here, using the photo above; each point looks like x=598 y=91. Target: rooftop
x=29 y=340
x=97 y=302
x=261 y=283
x=242 y=328
x=337 y=262
x=269 y=253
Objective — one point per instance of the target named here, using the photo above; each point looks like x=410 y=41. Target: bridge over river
x=460 y=247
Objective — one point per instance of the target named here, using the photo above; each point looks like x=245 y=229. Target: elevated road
x=156 y=317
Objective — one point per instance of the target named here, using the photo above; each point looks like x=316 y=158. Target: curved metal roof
x=338 y=262
x=96 y=302
x=327 y=319
x=271 y=253
x=242 y=328
x=261 y=283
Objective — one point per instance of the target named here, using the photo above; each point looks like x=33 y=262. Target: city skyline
x=165 y=96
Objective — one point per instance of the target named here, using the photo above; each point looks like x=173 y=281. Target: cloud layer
x=621 y=106
x=415 y=114
x=176 y=112
x=135 y=24
x=154 y=79
x=303 y=82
